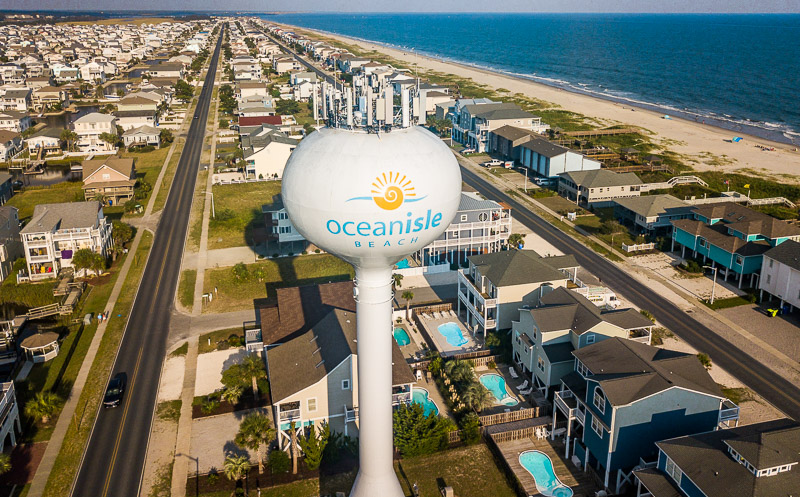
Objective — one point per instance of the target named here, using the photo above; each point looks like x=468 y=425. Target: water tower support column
x=376 y=476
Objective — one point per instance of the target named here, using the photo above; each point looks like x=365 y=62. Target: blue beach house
x=624 y=396
x=757 y=460
x=732 y=237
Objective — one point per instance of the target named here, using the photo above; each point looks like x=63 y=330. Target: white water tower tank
x=372 y=200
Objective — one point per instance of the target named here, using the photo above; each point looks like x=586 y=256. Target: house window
x=312 y=404
x=702 y=242
x=483 y=216
x=597 y=427
x=590 y=339
x=345 y=384
x=769 y=279
x=599 y=400
x=673 y=470
x=540 y=364
x=770 y=263
x=583 y=370
x=463 y=217
x=739 y=260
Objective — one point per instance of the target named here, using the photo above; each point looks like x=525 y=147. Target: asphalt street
x=311 y=67
x=774 y=388
x=113 y=463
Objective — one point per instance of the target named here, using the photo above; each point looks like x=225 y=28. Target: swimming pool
x=539 y=465
x=452 y=333
x=401 y=336
x=497 y=385
x=404 y=264
x=420 y=396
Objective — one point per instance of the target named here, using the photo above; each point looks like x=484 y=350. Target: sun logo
x=390 y=191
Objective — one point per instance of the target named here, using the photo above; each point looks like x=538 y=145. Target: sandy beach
x=703 y=147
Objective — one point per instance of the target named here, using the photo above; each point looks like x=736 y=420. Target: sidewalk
x=201 y=260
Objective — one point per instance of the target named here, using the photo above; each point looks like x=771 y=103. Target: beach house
x=480 y=226
x=548 y=159
x=780 y=274
x=731 y=236
x=266 y=153
x=473 y=122
x=111 y=180
x=10 y=144
x=56 y=231
x=12 y=120
x=623 y=396
x=495 y=286
x=561 y=322
x=507 y=141
x=280 y=231
x=651 y=214
x=10 y=420
x=598 y=187
x=142 y=136
x=757 y=460
x=90 y=127
x=309 y=340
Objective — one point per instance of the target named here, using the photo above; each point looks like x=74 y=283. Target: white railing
x=350 y=414
x=571 y=412
x=637 y=247
x=401 y=398
x=291 y=415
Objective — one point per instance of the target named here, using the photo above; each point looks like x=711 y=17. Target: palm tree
x=254 y=367
x=458 y=371
x=43 y=406
x=516 y=239
x=236 y=468
x=232 y=394
x=408 y=296
x=5 y=463
x=70 y=137
x=255 y=433
x=397 y=281
x=477 y=397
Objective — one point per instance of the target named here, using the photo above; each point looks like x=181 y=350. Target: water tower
x=372 y=195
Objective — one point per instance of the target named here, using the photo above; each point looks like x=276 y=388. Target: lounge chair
x=526 y=391
x=523 y=386
x=513 y=372
x=419 y=375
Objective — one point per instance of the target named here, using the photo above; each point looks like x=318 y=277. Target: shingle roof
x=747 y=220
x=520 y=267
x=657 y=483
x=142 y=130
x=654 y=205
x=513 y=133
x=47 y=217
x=563 y=309
x=122 y=165
x=6 y=135
x=705 y=460
x=95 y=117
x=600 y=178
x=559 y=352
x=787 y=253
x=718 y=236
x=544 y=147
x=471 y=201
x=629 y=371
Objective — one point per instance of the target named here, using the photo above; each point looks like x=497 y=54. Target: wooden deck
x=580 y=483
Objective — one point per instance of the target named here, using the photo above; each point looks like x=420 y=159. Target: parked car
x=115 y=390
x=544 y=181
x=468 y=151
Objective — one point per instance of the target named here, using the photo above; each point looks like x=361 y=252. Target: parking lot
x=782 y=332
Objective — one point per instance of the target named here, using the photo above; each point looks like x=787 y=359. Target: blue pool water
x=403 y=264
x=420 y=396
x=401 y=336
x=452 y=333
x=540 y=467
x=497 y=385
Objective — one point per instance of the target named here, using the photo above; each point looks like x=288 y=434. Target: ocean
x=736 y=71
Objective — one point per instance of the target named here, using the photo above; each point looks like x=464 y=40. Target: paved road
x=311 y=67
x=114 y=459
x=780 y=392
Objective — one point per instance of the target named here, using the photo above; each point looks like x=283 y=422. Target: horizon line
x=239 y=11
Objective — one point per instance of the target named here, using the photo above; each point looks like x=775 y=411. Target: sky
x=697 y=6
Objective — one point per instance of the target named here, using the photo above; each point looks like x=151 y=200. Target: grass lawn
x=560 y=204
x=148 y=167
x=166 y=183
x=471 y=471
x=30 y=196
x=208 y=342
x=283 y=272
x=727 y=303
x=186 y=288
x=238 y=212
x=68 y=459
x=196 y=216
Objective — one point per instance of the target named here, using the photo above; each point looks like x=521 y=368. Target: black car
x=115 y=390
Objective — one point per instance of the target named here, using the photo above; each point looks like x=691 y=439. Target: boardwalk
x=580 y=483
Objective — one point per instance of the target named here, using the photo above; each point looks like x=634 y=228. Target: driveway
x=782 y=332
x=212 y=440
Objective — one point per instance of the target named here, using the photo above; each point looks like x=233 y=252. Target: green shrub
x=209 y=404
x=213 y=477
x=491 y=365
x=470 y=428
x=704 y=360
x=648 y=315
x=278 y=462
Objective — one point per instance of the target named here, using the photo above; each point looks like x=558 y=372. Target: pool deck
x=431 y=325
x=511 y=386
x=580 y=482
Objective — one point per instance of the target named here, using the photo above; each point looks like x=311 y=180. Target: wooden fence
x=508 y=417
x=602 y=132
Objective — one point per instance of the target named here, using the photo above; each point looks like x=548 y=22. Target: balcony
x=641 y=335
x=401 y=398
x=290 y=415
x=350 y=414
x=729 y=412
x=568 y=404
